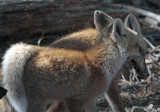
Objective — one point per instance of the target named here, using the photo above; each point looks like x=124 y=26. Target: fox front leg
x=90 y=106
x=113 y=96
x=75 y=105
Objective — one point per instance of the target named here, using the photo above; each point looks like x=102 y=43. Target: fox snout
x=144 y=73
x=141 y=69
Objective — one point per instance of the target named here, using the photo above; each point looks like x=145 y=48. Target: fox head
x=110 y=29
x=127 y=37
x=133 y=29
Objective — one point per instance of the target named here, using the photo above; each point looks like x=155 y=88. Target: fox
x=86 y=38
x=35 y=76
x=83 y=40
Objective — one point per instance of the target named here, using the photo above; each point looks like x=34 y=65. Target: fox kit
x=86 y=38
x=35 y=76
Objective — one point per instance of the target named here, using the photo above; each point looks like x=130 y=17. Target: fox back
x=80 y=40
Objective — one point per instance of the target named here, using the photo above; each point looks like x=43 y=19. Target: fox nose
x=143 y=76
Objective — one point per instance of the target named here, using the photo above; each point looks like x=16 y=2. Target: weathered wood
x=138 y=11
x=28 y=18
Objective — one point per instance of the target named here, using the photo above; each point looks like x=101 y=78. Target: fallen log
x=30 y=18
x=137 y=11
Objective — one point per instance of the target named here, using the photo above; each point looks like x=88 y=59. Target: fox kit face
x=128 y=38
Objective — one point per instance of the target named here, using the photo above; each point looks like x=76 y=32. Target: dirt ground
x=137 y=98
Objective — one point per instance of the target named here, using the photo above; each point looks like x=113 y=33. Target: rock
x=150 y=106
x=138 y=109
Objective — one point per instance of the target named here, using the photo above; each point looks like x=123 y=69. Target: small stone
x=138 y=109
x=150 y=106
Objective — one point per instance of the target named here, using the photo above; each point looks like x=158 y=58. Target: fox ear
x=118 y=30
x=132 y=23
x=102 y=21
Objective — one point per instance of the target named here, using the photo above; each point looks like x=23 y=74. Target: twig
x=156 y=49
x=125 y=88
x=130 y=79
x=149 y=43
x=135 y=75
x=156 y=55
x=123 y=76
x=150 y=74
x=152 y=58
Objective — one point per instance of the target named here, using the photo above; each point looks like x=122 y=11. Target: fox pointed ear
x=132 y=23
x=118 y=30
x=102 y=21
